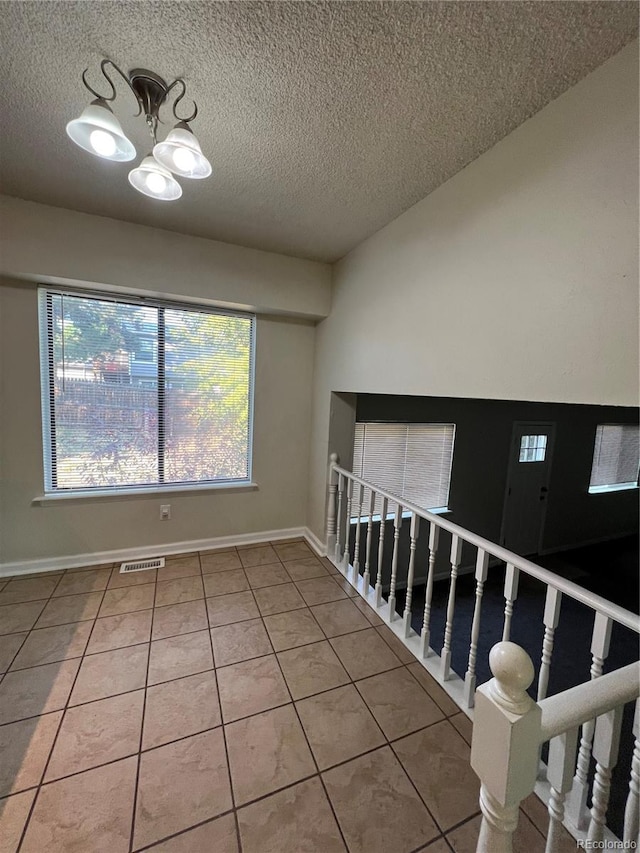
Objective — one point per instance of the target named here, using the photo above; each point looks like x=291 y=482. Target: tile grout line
x=144 y=708
x=60 y=724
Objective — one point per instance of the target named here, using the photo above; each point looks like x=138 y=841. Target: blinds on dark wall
x=412 y=461
x=616 y=455
x=142 y=393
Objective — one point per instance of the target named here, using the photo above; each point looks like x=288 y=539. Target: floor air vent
x=142 y=565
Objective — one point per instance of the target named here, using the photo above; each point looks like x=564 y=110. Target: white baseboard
x=96 y=558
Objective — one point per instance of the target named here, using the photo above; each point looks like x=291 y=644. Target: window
x=412 y=461
x=615 y=458
x=533 y=448
x=138 y=393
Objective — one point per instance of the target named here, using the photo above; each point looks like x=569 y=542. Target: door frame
x=550 y=427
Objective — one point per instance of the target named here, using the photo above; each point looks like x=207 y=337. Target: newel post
x=504 y=750
x=331 y=504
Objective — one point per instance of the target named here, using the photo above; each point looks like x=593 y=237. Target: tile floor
x=238 y=700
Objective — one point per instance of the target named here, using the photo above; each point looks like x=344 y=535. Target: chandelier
x=98 y=131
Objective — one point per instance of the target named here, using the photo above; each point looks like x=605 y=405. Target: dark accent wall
x=481 y=460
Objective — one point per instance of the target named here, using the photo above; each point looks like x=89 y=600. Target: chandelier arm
x=180 y=81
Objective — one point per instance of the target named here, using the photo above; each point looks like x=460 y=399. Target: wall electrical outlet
x=165 y=511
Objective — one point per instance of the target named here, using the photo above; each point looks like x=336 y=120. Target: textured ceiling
x=323 y=121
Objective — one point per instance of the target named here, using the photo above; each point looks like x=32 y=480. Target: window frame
x=47 y=385
x=610 y=487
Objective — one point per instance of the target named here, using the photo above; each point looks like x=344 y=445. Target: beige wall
x=284 y=363
x=517 y=279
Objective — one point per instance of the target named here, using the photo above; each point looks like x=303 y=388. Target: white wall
x=517 y=279
x=42 y=243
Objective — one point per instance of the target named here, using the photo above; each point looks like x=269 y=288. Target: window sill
x=86 y=496
x=616 y=487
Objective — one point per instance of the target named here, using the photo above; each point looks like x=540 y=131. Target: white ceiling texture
x=323 y=120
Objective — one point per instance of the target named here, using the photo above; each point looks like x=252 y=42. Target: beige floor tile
x=87 y=812
x=296 y=820
x=222 y=583
x=175 y=592
x=526 y=838
x=364 y=653
x=278 y=599
x=304 y=568
x=236 y=607
x=28 y=589
x=110 y=673
x=295 y=628
x=340 y=617
x=216 y=836
x=179 y=619
x=437 y=760
x=77 y=582
x=293 y=551
x=329 y=566
x=345 y=586
x=91 y=568
x=176 y=657
x=320 y=590
x=219 y=561
x=9 y=646
x=463 y=725
x=120 y=579
x=266 y=752
x=96 y=733
x=439 y=846
x=537 y=812
x=367 y=610
x=396 y=644
x=269 y=575
x=240 y=641
x=181 y=784
x=377 y=807
x=182 y=556
x=127 y=599
x=20 y=617
x=257 y=555
x=442 y=699
x=70 y=608
x=180 y=708
x=14 y=812
x=179 y=567
x=115 y=632
x=25 y=748
x=47 y=645
x=338 y=726
x=311 y=669
x=398 y=702
x=39 y=690
x=250 y=687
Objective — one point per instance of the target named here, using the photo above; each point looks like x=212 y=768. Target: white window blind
x=616 y=456
x=141 y=393
x=412 y=461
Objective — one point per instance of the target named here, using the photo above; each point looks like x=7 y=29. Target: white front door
x=527 y=487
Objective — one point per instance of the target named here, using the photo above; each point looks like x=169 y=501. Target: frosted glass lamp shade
x=99 y=132
x=152 y=179
x=181 y=153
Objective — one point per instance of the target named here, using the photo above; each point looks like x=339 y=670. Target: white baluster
x=347 y=527
x=383 y=520
x=356 y=546
x=606 y=742
x=397 y=524
x=456 y=556
x=482 y=565
x=551 y=618
x=338 y=551
x=577 y=802
x=413 y=541
x=511 y=578
x=504 y=748
x=560 y=764
x=425 y=633
x=367 y=547
x=632 y=809
x=331 y=504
